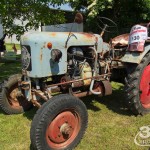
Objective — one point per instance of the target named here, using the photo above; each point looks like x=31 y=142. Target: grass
x=9 y=46
x=111 y=125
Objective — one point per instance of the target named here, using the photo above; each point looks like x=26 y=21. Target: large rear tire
x=59 y=124
x=11 y=99
x=137 y=87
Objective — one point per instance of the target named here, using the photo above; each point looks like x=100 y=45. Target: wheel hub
x=63 y=127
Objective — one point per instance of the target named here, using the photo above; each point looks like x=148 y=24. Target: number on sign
x=135 y=37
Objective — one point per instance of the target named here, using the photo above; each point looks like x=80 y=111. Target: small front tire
x=59 y=124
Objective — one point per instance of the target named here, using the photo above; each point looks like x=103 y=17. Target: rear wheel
x=137 y=87
x=11 y=99
x=59 y=124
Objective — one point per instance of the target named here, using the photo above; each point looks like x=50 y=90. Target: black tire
x=133 y=89
x=10 y=103
x=56 y=110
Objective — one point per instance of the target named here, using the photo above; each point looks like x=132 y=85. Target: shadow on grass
x=31 y=148
x=88 y=101
x=9 y=68
x=2 y=112
x=116 y=102
x=30 y=114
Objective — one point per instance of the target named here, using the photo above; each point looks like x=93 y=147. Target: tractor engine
x=79 y=66
x=80 y=63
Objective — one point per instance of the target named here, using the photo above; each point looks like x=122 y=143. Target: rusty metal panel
x=135 y=57
x=107 y=87
x=121 y=40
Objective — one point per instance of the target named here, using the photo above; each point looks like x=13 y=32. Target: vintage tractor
x=60 y=67
x=137 y=63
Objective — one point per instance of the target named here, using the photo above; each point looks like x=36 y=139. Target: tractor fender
x=135 y=57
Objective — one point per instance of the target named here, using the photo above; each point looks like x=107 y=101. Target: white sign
x=138 y=34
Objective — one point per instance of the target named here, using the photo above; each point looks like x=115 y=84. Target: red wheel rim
x=145 y=87
x=15 y=98
x=63 y=129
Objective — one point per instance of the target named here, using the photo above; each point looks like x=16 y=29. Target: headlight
x=56 y=55
x=25 y=57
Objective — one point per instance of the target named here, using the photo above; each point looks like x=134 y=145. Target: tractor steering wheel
x=107 y=23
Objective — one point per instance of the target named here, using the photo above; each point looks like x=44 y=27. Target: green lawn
x=111 y=125
x=9 y=46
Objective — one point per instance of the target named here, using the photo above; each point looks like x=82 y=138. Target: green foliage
x=34 y=12
x=125 y=13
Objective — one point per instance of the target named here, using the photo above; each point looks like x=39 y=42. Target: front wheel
x=12 y=101
x=137 y=87
x=59 y=124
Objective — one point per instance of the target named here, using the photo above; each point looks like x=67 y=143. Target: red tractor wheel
x=145 y=88
x=12 y=100
x=59 y=124
x=137 y=87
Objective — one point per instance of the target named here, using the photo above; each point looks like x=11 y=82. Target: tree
x=124 y=12
x=32 y=11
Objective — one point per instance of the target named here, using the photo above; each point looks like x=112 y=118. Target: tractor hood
x=63 y=39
